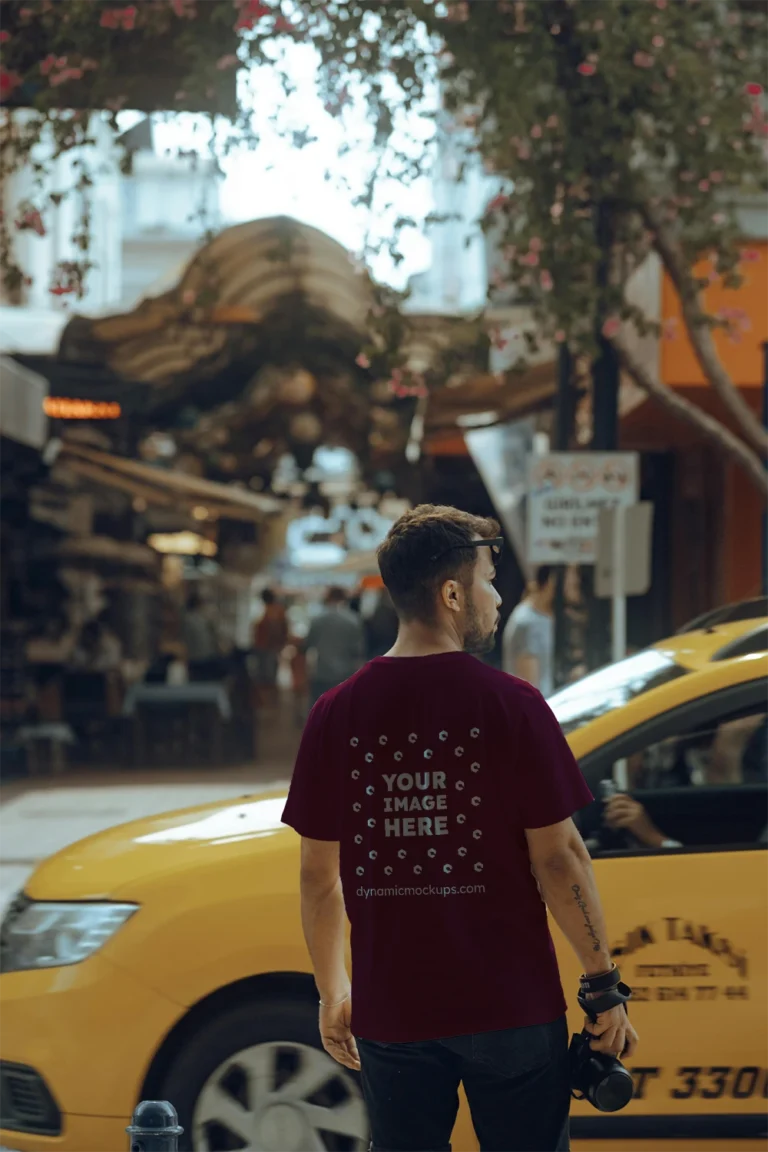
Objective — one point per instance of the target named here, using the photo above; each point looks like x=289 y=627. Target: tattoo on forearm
x=582 y=904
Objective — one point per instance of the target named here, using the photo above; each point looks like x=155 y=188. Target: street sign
x=634 y=570
x=566 y=491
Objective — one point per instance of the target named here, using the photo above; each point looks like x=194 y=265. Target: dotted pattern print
x=417 y=808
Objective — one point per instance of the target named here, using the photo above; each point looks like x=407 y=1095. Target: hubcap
x=280 y=1097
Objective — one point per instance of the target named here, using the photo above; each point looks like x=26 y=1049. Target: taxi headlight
x=40 y=934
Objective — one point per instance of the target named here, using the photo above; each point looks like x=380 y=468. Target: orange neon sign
x=62 y=408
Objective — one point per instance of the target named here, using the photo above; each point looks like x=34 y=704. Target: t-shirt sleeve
x=548 y=782
x=313 y=807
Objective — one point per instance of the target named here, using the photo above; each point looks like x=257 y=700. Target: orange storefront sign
x=747 y=308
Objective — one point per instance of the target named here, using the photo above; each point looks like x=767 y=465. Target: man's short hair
x=407 y=559
x=268 y=596
x=335 y=595
x=543 y=575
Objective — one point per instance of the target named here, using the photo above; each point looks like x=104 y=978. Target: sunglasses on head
x=495 y=543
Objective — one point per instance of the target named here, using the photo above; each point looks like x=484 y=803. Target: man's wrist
x=333 y=993
x=599 y=966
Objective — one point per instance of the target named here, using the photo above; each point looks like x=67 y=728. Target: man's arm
x=527 y=667
x=323 y=919
x=563 y=869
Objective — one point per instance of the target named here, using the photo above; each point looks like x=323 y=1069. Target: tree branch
x=700 y=333
x=716 y=432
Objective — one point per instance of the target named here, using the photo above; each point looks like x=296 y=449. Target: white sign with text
x=566 y=491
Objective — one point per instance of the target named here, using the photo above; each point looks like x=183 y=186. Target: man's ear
x=450 y=594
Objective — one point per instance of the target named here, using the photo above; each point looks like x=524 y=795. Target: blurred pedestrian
x=381 y=627
x=336 y=639
x=270 y=638
x=201 y=640
x=528 y=644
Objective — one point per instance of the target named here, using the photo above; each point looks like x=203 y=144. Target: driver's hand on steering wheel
x=624 y=813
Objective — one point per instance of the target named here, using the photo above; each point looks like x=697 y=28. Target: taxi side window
x=728 y=753
x=704 y=787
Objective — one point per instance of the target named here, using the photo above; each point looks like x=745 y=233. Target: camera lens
x=614 y=1091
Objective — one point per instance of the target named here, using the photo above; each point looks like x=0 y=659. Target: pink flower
x=47 y=64
x=658 y=41
x=536 y=131
x=535 y=244
x=523 y=152
x=31 y=221
x=9 y=81
x=124 y=18
x=750 y=255
x=556 y=210
x=705 y=121
x=229 y=61
x=184 y=9
x=251 y=11
x=661 y=4
x=611 y=327
x=497 y=203
x=586 y=69
x=362 y=360
x=753 y=89
x=552 y=121
x=530 y=259
x=643 y=60
x=4 y=36
x=719 y=218
x=283 y=25
x=703 y=185
x=546 y=281
x=716 y=177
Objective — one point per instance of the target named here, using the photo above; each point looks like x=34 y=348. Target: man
x=269 y=639
x=529 y=638
x=201 y=640
x=439 y=792
x=337 y=639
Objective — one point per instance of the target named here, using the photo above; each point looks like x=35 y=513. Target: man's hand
x=613 y=1032
x=336 y=1036
x=625 y=812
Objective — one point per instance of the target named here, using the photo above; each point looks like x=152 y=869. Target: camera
x=597 y=1077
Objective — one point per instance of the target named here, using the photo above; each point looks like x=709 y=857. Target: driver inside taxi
x=733 y=753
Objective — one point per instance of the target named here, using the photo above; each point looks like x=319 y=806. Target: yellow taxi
x=164 y=959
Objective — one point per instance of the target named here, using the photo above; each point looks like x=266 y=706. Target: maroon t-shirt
x=428 y=770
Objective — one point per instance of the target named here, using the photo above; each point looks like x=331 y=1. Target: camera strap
x=611 y=998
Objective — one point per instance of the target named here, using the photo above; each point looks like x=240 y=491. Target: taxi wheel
x=256 y=1079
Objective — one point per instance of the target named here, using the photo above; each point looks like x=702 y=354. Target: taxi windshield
x=612 y=687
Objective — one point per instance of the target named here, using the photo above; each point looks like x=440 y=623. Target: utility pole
x=605 y=427
x=563 y=424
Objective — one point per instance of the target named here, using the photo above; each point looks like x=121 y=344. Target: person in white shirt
x=528 y=644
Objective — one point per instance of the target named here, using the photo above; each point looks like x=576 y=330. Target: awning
x=497 y=400
x=166 y=488
x=249 y=270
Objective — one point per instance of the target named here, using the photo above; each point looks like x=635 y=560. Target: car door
x=688 y=929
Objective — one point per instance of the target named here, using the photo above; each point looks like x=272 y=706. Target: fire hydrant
x=155 y=1127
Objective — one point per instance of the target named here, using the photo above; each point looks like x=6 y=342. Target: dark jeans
x=516 y=1081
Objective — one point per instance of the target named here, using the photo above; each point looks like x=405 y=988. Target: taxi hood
x=125 y=859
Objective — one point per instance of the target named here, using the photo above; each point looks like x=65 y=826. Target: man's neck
x=417 y=639
x=539 y=604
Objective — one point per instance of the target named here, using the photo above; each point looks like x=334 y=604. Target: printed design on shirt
x=430 y=806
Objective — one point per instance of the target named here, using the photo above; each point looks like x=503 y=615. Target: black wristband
x=601 y=983
x=610 y=999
